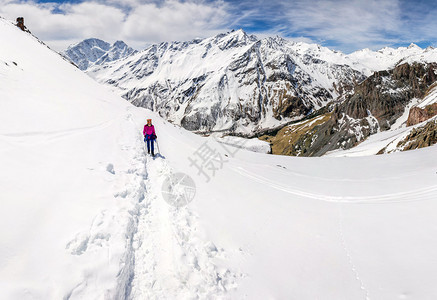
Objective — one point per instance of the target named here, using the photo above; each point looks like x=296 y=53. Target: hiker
x=149 y=136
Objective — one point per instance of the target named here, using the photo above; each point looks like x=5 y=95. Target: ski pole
x=157 y=144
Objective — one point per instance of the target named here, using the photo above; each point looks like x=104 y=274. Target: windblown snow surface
x=83 y=215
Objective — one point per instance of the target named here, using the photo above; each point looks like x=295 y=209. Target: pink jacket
x=150 y=130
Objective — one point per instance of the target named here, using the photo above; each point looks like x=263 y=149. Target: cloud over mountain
x=340 y=24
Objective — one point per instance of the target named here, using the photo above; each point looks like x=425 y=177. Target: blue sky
x=345 y=25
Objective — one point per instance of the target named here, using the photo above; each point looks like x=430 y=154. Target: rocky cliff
x=375 y=105
x=420 y=137
x=418 y=115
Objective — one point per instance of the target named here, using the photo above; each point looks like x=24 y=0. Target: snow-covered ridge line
x=231 y=81
x=37 y=39
x=241 y=84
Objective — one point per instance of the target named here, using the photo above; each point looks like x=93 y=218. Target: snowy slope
x=60 y=135
x=83 y=216
x=93 y=51
x=308 y=228
x=430 y=98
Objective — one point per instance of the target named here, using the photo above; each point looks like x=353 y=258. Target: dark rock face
x=421 y=137
x=375 y=105
x=418 y=115
x=20 y=24
x=386 y=93
x=290 y=106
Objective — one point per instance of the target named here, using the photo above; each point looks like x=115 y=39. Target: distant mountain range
x=238 y=84
x=91 y=52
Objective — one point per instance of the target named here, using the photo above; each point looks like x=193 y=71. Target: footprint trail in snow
x=171 y=259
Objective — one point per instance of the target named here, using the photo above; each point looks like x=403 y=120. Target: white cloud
x=346 y=25
x=137 y=22
x=78 y=21
x=352 y=23
x=175 y=20
x=302 y=39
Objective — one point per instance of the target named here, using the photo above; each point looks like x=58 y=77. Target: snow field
x=83 y=215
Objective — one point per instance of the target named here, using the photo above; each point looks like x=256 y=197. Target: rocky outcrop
x=375 y=105
x=418 y=115
x=420 y=137
x=386 y=93
x=20 y=24
x=289 y=139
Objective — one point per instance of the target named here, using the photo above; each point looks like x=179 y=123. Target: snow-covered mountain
x=83 y=214
x=241 y=84
x=231 y=81
x=388 y=58
x=96 y=52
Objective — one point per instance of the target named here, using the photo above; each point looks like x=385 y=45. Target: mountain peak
x=92 y=42
x=239 y=32
x=234 y=38
x=413 y=46
x=94 y=51
x=119 y=44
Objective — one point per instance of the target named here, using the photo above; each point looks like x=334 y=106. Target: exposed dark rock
x=20 y=24
x=386 y=93
x=418 y=115
x=383 y=96
x=375 y=105
x=421 y=137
